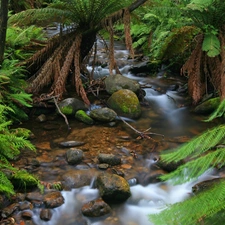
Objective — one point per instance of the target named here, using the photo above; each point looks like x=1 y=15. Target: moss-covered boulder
x=117 y=82
x=113 y=188
x=125 y=103
x=82 y=116
x=207 y=106
x=70 y=106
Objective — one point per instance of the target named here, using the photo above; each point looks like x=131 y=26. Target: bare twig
x=63 y=115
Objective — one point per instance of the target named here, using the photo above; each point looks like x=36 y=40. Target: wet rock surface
x=95 y=208
x=74 y=156
x=113 y=188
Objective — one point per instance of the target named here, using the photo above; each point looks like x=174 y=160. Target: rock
x=25 y=205
x=70 y=106
x=125 y=103
x=168 y=167
x=82 y=116
x=113 y=188
x=74 y=156
x=95 y=208
x=103 y=166
x=9 y=210
x=41 y=118
x=109 y=159
x=27 y=215
x=53 y=199
x=205 y=185
x=151 y=177
x=117 y=82
x=34 y=197
x=71 y=143
x=207 y=106
x=145 y=67
x=78 y=178
x=103 y=114
x=45 y=214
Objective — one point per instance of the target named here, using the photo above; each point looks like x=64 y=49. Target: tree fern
x=195 y=209
x=5 y=185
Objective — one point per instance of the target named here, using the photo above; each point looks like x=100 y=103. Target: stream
x=166 y=114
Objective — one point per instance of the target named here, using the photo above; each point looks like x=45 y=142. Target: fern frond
x=205 y=204
x=5 y=185
x=41 y=17
x=196 y=167
x=211 y=45
x=220 y=110
x=196 y=146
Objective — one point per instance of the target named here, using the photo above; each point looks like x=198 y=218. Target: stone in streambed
x=53 y=199
x=74 y=156
x=125 y=103
x=82 y=116
x=69 y=144
x=109 y=159
x=103 y=114
x=95 y=208
x=117 y=82
x=45 y=214
x=113 y=188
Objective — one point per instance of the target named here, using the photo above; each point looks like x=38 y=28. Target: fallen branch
x=63 y=115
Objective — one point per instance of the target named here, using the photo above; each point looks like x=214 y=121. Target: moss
x=83 y=117
x=125 y=103
x=67 y=110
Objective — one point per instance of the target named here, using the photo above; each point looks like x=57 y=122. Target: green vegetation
x=203 y=152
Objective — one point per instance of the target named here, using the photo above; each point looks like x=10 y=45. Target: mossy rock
x=117 y=82
x=82 y=116
x=70 y=106
x=125 y=103
x=207 y=106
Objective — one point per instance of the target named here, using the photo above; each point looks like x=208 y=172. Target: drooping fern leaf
x=218 y=112
x=195 y=168
x=195 y=209
x=5 y=185
x=196 y=146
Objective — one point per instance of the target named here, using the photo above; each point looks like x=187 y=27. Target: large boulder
x=117 y=82
x=113 y=188
x=103 y=114
x=207 y=106
x=70 y=106
x=125 y=103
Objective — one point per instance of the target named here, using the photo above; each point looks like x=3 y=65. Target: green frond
x=196 y=146
x=211 y=45
x=22 y=98
x=40 y=17
x=191 y=211
x=22 y=179
x=194 y=168
x=5 y=185
x=220 y=111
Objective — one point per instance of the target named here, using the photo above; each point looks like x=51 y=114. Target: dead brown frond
x=59 y=87
x=128 y=39
x=77 y=61
x=192 y=68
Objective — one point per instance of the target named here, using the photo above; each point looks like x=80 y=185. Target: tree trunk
x=3 y=27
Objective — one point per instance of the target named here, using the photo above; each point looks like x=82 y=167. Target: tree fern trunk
x=3 y=27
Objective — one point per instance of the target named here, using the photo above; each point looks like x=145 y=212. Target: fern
x=5 y=185
x=195 y=168
x=205 y=203
x=196 y=146
x=211 y=45
x=219 y=112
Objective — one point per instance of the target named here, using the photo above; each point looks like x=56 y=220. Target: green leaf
x=211 y=45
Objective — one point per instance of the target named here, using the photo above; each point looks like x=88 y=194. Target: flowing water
x=166 y=114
